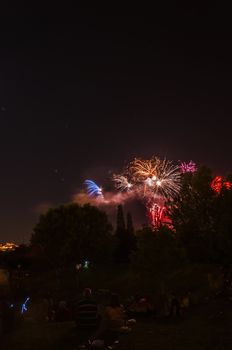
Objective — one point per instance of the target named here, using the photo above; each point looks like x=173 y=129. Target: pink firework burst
x=189 y=167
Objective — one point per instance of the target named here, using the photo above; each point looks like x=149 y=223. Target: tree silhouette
x=73 y=233
x=125 y=235
x=202 y=218
x=157 y=252
x=130 y=226
x=120 y=225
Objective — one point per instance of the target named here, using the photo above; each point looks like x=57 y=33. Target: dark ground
x=204 y=327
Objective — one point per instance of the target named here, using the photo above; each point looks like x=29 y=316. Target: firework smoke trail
x=95 y=196
x=93 y=190
x=190 y=167
x=121 y=183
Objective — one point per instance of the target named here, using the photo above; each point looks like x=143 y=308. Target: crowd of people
x=103 y=322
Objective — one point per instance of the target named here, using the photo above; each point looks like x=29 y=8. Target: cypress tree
x=130 y=226
x=120 y=226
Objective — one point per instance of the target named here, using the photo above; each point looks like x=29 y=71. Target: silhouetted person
x=63 y=312
x=175 y=306
x=86 y=315
x=113 y=321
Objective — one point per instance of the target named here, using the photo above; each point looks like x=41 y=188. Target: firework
x=228 y=185
x=154 y=181
x=167 y=183
x=156 y=215
x=155 y=177
x=190 y=167
x=93 y=190
x=122 y=183
x=143 y=169
x=218 y=183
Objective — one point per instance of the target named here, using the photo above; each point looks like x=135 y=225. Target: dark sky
x=85 y=90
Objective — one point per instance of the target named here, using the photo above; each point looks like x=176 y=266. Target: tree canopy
x=125 y=235
x=202 y=218
x=157 y=252
x=73 y=233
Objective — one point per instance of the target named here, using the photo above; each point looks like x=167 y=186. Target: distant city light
x=4 y=247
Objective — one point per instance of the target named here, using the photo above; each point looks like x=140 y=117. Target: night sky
x=87 y=90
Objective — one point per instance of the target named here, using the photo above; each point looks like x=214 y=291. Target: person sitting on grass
x=141 y=307
x=63 y=312
x=114 y=314
x=113 y=322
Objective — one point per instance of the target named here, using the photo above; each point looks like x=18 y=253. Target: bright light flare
x=149 y=182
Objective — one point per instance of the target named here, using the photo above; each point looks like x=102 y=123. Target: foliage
x=121 y=227
x=125 y=236
x=74 y=233
x=222 y=239
x=157 y=252
x=202 y=218
x=130 y=226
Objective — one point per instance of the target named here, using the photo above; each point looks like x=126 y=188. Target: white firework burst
x=122 y=183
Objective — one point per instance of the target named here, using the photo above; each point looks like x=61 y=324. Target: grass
x=205 y=327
